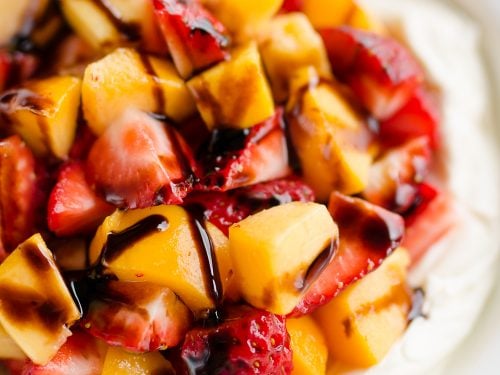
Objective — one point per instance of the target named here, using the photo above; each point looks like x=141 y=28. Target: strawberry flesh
x=418 y=117
x=368 y=234
x=249 y=341
x=139 y=317
x=81 y=354
x=381 y=72
x=18 y=192
x=236 y=158
x=73 y=206
x=291 y=6
x=393 y=180
x=195 y=38
x=225 y=209
x=139 y=162
x=15 y=67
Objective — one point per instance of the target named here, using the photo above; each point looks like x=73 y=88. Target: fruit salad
x=212 y=186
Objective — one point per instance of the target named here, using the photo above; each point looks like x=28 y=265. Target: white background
x=480 y=353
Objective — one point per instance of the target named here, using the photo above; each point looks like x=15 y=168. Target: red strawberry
x=18 y=191
x=431 y=217
x=84 y=140
x=195 y=38
x=225 y=209
x=381 y=72
x=73 y=206
x=80 y=355
x=237 y=158
x=393 y=179
x=368 y=234
x=15 y=67
x=418 y=117
x=140 y=317
x=139 y=162
x=249 y=341
x=291 y=6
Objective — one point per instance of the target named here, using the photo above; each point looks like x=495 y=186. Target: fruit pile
x=209 y=186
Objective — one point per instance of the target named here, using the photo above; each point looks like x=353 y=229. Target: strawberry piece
x=18 y=192
x=429 y=219
x=418 y=117
x=81 y=354
x=139 y=162
x=82 y=144
x=237 y=158
x=249 y=341
x=140 y=317
x=380 y=71
x=73 y=206
x=195 y=38
x=15 y=67
x=368 y=234
x=291 y=6
x=393 y=180
x=226 y=209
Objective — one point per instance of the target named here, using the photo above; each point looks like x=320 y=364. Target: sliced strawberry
x=393 y=180
x=195 y=38
x=249 y=341
x=15 y=67
x=140 y=317
x=225 y=209
x=80 y=355
x=237 y=158
x=82 y=144
x=73 y=206
x=139 y=162
x=368 y=234
x=419 y=117
x=382 y=73
x=18 y=191
x=431 y=217
x=291 y=6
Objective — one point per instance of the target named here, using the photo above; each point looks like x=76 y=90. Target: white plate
x=479 y=353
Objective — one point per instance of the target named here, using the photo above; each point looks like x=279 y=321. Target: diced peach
x=288 y=43
x=308 y=345
x=366 y=319
x=120 y=362
x=234 y=93
x=331 y=13
x=301 y=233
x=125 y=79
x=44 y=113
x=36 y=307
x=172 y=255
x=243 y=17
x=331 y=140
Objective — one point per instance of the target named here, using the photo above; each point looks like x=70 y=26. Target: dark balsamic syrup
x=317 y=266
x=87 y=284
x=157 y=89
x=210 y=268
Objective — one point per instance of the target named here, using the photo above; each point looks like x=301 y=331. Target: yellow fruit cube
x=125 y=79
x=234 y=93
x=172 y=255
x=331 y=141
x=308 y=346
x=289 y=42
x=332 y=13
x=366 y=319
x=275 y=251
x=8 y=348
x=108 y=24
x=44 y=113
x=120 y=362
x=36 y=306
x=243 y=17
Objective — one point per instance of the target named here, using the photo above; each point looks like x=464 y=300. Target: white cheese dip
x=458 y=272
